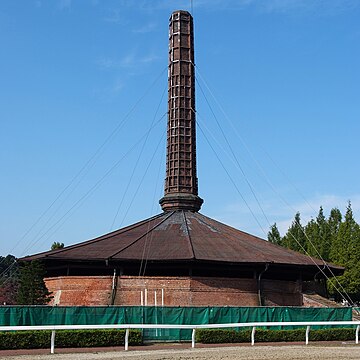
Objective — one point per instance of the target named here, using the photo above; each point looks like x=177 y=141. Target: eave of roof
x=180 y=236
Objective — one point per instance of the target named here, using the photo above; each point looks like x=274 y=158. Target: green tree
x=318 y=237
x=345 y=251
x=341 y=244
x=324 y=235
x=336 y=239
x=8 y=280
x=8 y=266
x=295 y=238
x=334 y=222
x=32 y=289
x=274 y=235
x=312 y=238
x=57 y=245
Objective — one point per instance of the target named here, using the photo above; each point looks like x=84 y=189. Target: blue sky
x=83 y=99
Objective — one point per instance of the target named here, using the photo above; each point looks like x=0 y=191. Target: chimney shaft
x=181 y=187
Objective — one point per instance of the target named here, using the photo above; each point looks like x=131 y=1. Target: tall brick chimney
x=181 y=185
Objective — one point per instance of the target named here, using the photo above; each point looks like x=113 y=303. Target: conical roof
x=184 y=237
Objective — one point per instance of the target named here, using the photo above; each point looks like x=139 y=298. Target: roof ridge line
x=140 y=237
x=206 y=223
x=189 y=237
x=232 y=227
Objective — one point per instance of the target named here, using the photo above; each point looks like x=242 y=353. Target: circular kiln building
x=179 y=257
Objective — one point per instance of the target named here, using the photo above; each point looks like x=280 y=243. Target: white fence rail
x=127 y=327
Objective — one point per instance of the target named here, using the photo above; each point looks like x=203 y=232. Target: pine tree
x=32 y=288
x=334 y=222
x=312 y=238
x=345 y=251
x=341 y=244
x=274 y=235
x=318 y=237
x=295 y=237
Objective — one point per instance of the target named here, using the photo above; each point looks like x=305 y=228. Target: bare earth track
x=268 y=352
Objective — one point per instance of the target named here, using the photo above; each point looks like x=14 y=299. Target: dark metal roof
x=181 y=236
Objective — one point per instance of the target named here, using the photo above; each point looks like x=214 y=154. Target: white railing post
x=357 y=334
x=156 y=313
x=193 y=338
x=253 y=336
x=52 y=344
x=307 y=335
x=127 y=339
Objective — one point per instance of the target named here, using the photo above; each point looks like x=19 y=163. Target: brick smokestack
x=181 y=185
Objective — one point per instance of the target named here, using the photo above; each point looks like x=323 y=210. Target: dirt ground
x=262 y=352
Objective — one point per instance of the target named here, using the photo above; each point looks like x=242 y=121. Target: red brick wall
x=80 y=290
x=177 y=291
x=186 y=291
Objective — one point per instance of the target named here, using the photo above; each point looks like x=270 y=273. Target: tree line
x=335 y=239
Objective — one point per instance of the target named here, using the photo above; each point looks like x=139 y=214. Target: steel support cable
x=137 y=190
x=265 y=176
x=84 y=198
x=311 y=243
x=7 y=280
x=325 y=264
x=92 y=189
x=288 y=179
x=291 y=183
x=101 y=180
x=320 y=269
x=231 y=158
x=224 y=113
x=142 y=267
x=92 y=158
x=58 y=208
x=231 y=179
x=262 y=172
x=114 y=132
x=3 y=273
x=234 y=156
x=309 y=240
x=137 y=162
x=138 y=238
x=307 y=237
x=143 y=177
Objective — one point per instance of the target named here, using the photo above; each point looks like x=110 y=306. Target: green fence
x=46 y=315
